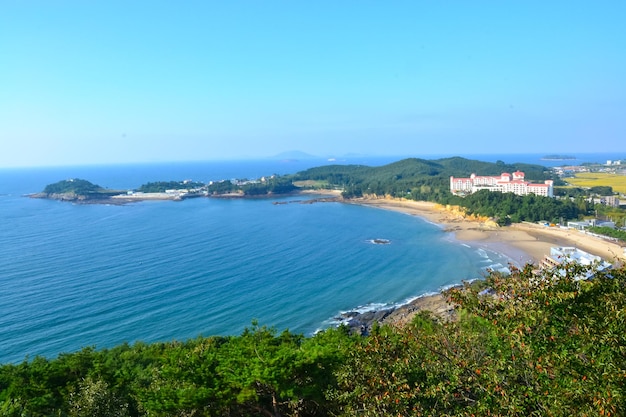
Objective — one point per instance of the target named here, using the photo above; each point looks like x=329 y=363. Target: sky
x=93 y=82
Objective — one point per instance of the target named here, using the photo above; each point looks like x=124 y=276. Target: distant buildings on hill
x=505 y=183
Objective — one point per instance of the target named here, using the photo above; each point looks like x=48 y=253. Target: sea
x=78 y=275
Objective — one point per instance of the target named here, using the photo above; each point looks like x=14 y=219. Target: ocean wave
x=499 y=268
x=367 y=308
x=450 y=286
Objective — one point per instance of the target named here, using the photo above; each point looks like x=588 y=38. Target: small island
x=554 y=157
x=76 y=190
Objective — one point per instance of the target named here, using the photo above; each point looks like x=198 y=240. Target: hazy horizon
x=354 y=158
x=142 y=82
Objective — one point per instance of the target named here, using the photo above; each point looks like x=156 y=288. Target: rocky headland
x=436 y=304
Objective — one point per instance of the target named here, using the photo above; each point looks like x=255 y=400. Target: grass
x=595 y=179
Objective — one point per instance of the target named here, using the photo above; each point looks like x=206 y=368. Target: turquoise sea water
x=98 y=275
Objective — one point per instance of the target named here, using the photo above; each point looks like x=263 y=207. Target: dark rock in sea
x=361 y=323
x=381 y=241
x=349 y=314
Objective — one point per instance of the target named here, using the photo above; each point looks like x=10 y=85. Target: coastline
x=522 y=243
x=122 y=199
x=525 y=243
x=529 y=240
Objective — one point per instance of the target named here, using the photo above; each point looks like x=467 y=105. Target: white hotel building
x=505 y=183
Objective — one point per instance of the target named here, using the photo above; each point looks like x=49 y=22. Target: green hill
x=76 y=189
x=75 y=185
x=419 y=179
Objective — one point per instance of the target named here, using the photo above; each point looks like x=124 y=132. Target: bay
x=99 y=275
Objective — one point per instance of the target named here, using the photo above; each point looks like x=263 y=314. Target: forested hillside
x=533 y=345
x=417 y=178
x=268 y=186
x=162 y=186
x=77 y=188
x=420 y=179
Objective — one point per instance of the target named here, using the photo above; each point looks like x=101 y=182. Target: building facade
x=505 y=183
x=560 y=255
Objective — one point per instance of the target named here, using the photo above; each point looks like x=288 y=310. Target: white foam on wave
x=482 y=253
x=342 y=319
x=367 y=308
x=466 y=245
x=449 y=286
x=411 y=299
x=439 y=225
x=499 y=268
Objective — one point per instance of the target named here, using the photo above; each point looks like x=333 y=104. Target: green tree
x=531 y=344
x=94 y=399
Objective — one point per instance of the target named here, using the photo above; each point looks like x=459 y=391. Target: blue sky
x=85 y=82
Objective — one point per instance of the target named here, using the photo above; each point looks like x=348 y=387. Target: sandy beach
x=521 y=243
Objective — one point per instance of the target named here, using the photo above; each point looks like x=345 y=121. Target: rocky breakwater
x=362 y=322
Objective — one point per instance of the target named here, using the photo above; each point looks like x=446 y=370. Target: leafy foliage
x=602 y=190
x=257 y=373
x=273 y=185
x=609 y=231
x=162 y=186
x=420 y=179
x=570 y=192
x=508 y=207
x=222 y=187
x=534 y=344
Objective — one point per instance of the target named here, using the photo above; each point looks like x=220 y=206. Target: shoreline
x=530 y=240
x=522 y=243
x=122 y=199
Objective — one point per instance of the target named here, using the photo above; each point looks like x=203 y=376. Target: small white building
x=584 y=224
x=561 y=255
